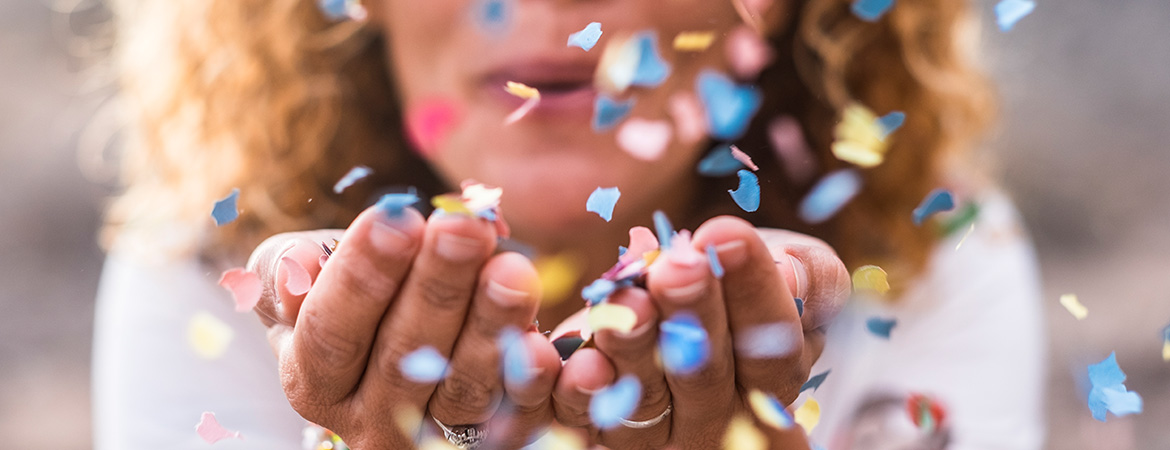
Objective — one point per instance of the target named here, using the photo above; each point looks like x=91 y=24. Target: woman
x=277 y=100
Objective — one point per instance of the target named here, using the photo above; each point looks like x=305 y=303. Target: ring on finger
x=639 y=424
x=464 y=437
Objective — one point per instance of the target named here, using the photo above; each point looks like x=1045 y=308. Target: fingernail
x=636 y=332
x=455 y=248
x=688 y=293
x=388 y=239
x=731 y=254
x=588 y=392
x=504 y=296
x=801 y=275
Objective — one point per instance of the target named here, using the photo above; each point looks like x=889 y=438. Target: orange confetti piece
x=522 y=90
x=693 y=41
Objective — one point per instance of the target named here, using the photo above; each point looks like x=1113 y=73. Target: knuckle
x=466 y=395
x=365 y=279
x=712 y=374
x=329 y=344
x=441 y=293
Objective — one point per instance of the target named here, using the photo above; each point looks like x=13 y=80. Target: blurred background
x=1082 y=146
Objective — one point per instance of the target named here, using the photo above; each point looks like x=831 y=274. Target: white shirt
x=968 y=333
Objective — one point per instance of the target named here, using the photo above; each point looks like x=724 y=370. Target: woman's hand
x=396 y=283
x=748 y=314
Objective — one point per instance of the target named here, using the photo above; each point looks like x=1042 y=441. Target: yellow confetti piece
x=450 y=204
x=408 y=419
x=742 y=435
x=610 y=316
x=558 y=276
x=650 y=256
x=522 y=90
x=871 y=279
x=1166 y=350
x=208 y=336
x=965 y=236
x=559 y=438
x=860 y=137
x=693 y=41
x=808 y=415
x=1074 y=306
x=434 y=443
x=769 y=410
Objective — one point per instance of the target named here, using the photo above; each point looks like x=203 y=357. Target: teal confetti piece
x=713 y=260
x=652 y=70
x=1008 y=12
x=224 y=211
x=891 y=122
x=1108 y=393
x=683 y=344
x=936 y=201
x=587 y=37
x=493 y=16
x=871 y=10
x=602 y=201
x=799 y=306
x=616 y=402
x=815 y=381
x=334 y=9
x=830 y=195
x=730 y=107
x=663 y=229
x=719 y=162
x=393 y=205
x=424 y=365
x=608 y=112
x=353 y=176
x=747 y=195
x=517 y=362
x=597 y=291
x=880 y=327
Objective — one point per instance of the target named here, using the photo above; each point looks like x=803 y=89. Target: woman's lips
x=566 y=89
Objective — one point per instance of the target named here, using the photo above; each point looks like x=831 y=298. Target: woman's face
x=551 y=160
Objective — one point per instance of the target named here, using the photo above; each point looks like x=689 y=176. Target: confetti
x=891 y=122
x=938 y=200
x=429 y=123
x=764 y=341
x=663 y=229
x=607 y=112
x=558 y=438
x=859 y=137
x=683 y=344
x=871 y=279
x=478 y=200
x=224 y=211
x=693 y=41
x=610 y=316
x=244 y=286
x=651 y=70
x=395 y=204
x=619 y=62
x=424 y=365
x=815 y=381
x=742 y=435
x=730 y=107
x=613 y=403
x=799 y=306
x=568 y=343
x=927 y=414
x=965 y=236
x=645 y=139
x=211 y=431
x=337 y=10
x=297 y=279
x=1166 y=343
x=1108 y=393
x=353 y=176
x=880 y=327
x=529 y=94
x=747 y=195
x=208 y=336
x=769 y=410
x=517 y=361
x=829 y=195
x=558 y=275
x=587 y=37
x=642 y=241
x=493 y=16
x=808 y=415
x=871 y=10
x=788 y=144
x=719 y=162
x=690 y=122
x=597 y=291
x=713 y=261
x=1008 y=12
x=602 y=201
x=747 y=53
x=742 y=157
x=1074 y=306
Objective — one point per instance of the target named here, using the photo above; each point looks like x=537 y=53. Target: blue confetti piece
x=663 y=229
x=830 y=195
x=719 y=162
x=880 y=327
x=613 y=403
x=652 y=70
x=622 y=251
x=1008 y=12
x=729 y=106
x=608 y=112
x=517 y=361
x=936 y=201
x=395 y=204
x=1106 y=373
x=597 y=291
x=587 y=37
x=747 y=195
x=224 y=211
x=1108 y=393
x=891 y=122
x=334 y=9
x=424 y=365
x=683 y=344
x=351 y=177
x=871 y=10
x=602 y=201
x=815 y=381
x=493 y=16
x=713 y=260
x=799 y=306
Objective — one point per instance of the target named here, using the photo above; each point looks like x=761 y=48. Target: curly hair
x=273 y=98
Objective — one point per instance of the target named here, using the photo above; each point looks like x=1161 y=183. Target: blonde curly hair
x=271 y=97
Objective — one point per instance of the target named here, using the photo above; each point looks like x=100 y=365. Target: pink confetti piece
x=244 y=286
x=644 y=139
x=747 y=53
x=791 y=149
x=429 y=123
x=210 y=430
x=642 y=240
x=742 y=157
x=689 y=119
x=297 y=279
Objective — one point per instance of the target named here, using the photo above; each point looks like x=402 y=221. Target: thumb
x=287 y=265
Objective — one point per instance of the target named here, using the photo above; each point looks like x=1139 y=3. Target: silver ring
x=639 y=424
x=464 y=437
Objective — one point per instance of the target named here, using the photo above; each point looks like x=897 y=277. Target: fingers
x=507 y=298
x=826 y=285
x=584 y=373
x=633 y=353
x=528 y=408
x=763 y=317
x=328 y=350
x=431 y=306
x=277 y=304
